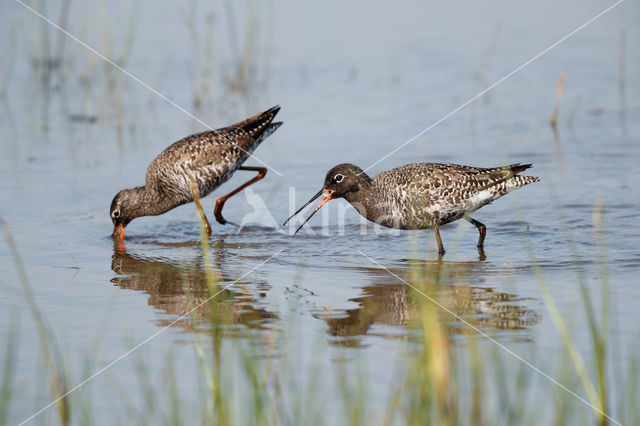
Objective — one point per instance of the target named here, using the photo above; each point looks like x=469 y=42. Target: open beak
x=327 y=194
x=118 y=232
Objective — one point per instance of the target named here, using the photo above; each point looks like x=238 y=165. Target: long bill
x=118 y=232
x=305 y=205
x=326 y=196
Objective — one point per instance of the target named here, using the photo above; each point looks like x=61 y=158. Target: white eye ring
x=115 y=213
x=338 y=178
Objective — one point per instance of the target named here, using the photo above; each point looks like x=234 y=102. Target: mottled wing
x=440 y=192
x=209 y=158
x=205 y=158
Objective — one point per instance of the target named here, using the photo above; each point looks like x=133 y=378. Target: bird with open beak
x=341 y=181
x=421 y=195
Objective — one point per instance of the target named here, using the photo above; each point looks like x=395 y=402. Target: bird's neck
x=148 y=202
x=364 y=198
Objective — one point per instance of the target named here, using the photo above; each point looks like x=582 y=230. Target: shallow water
x=355 y=82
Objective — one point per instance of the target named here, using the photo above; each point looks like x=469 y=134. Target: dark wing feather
x=247 y=132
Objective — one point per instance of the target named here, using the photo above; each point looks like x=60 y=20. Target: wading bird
x=421 y=195
x=206 y=159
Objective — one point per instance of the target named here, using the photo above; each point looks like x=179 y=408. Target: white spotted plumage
x=209 y=158
x=422 y=195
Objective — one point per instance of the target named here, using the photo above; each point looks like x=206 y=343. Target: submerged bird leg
x=481 y=254
x=439 y=240
x=262 y=171
x=481 y=229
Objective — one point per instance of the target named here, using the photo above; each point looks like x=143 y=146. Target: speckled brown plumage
x=208 y=158
x=422 y=195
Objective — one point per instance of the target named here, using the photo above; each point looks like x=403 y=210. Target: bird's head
x=121 y=212
x=340 y=182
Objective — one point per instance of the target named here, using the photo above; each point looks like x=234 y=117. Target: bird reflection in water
x=181 y=289
x=389 y=301
x=176 y=288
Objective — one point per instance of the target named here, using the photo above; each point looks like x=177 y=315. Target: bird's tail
x=506 y=178
x=252 y=131
x=271 y=128
x=260 y=123
x=521 y=180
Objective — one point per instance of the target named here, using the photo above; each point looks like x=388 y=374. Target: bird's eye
x=338 y=178
x=115 y=213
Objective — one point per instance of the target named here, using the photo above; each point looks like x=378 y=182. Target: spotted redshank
x=421 y=195
x=207 y=159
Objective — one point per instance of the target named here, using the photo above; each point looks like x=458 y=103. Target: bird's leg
x=262 y=171
x=439 y=241
x=202 y=215
x=481 y=229
x=195 y=192
x=481 y=254
x=206 y=225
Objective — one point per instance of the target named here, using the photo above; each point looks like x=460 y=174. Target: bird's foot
x=481 y=255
